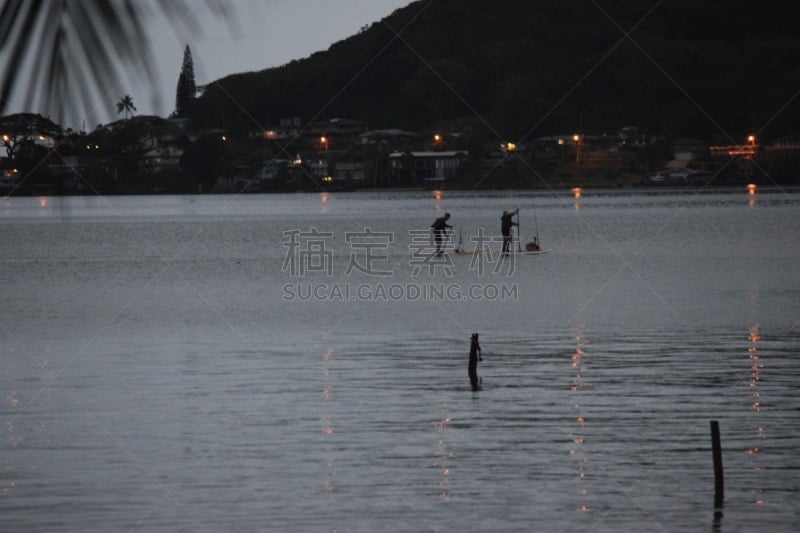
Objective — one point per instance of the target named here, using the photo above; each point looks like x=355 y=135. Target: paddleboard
x=535 y=252
x=470 y=252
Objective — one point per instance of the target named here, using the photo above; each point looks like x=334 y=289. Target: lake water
x=163 y=369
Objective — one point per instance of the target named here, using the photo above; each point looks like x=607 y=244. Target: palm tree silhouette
x=126 y=104
x=78 y=50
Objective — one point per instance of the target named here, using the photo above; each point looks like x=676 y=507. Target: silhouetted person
x=474 y=357
x=505 y=227
x=440 y=227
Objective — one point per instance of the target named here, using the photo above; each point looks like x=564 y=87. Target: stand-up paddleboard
x=535 y=252
x=460 y=250
x=471 y=251
x=533 y=247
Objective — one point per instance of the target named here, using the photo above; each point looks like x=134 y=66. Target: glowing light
x=323 y=197
x=751 y=139
x=437 y=194
x=751 y=188
x=327 y=179
x=224 y=137
x=269 y=133
x=437 y=138
x=576 y=138
x=576 y=192
x=5 y=138
x=42 y=201
x=560 y=142
x=511 y=147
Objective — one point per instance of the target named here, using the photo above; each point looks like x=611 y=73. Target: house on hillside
x=430 y=168
x=165 y=158
x=339 y=133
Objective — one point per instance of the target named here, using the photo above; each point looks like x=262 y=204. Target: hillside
x=525 y=68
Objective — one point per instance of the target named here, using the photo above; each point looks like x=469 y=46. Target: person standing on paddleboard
x=505 y=228
x=440 y=227
x=474 y=357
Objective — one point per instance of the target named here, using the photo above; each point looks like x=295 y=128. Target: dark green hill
x=525 y=68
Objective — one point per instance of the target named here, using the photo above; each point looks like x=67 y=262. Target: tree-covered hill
x=525 y=68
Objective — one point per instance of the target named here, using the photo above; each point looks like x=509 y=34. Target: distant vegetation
x=521 y=68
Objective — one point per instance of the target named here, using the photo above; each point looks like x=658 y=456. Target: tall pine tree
x=187 y=89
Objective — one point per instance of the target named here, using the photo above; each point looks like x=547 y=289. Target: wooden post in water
x=716 y=450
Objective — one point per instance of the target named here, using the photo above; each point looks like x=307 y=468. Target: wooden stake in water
x=716 y=450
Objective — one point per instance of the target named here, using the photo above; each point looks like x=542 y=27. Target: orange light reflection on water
x=756 y=367
x=326 y=422
x=442 y=460
x=578 y=366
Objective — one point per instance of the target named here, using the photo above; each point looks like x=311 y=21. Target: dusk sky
x=269 y=33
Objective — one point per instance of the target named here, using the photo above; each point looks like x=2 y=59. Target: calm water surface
x=155 y=377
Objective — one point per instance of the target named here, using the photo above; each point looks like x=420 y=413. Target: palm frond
x=67 y=56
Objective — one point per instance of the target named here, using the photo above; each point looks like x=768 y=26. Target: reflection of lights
x=755 y=376
x=576 y=192
x=42 y=201
x=327 y=425
x=751 y=188
x=577 y=363
x=437 y=194
x=442 y=460
x=323 y=197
